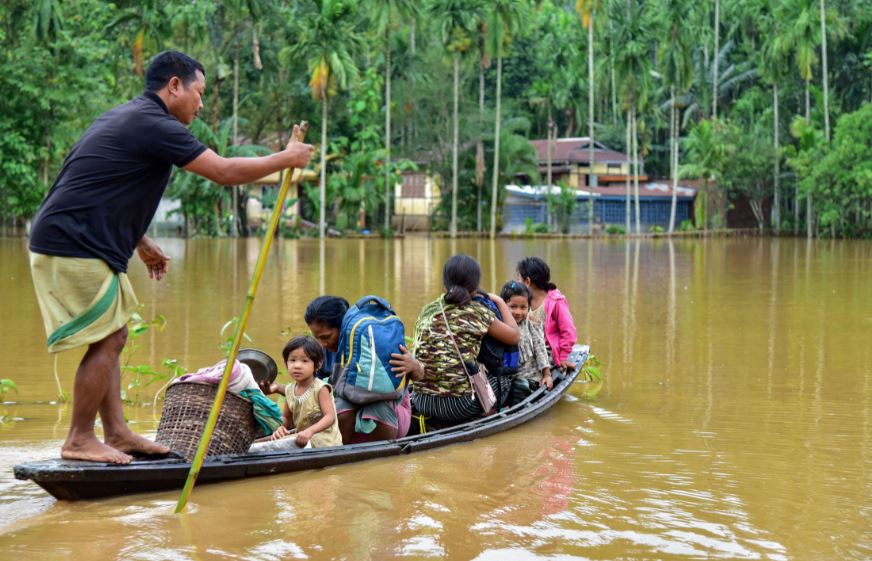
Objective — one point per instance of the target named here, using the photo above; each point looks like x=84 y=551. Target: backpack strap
x=373 y=300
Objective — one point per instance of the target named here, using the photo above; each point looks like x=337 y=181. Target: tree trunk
x=412 y=26
x=552 y=137
x=479 y=150
x=809 y=216
x=776 y=205
x=824 y=70
x=454 y=147
x=705 y=191
x=614 y=95
x=496 y=168
x=809 y=207
x=234 y=190
x=322 y=207
x=636 y=171
x=387 y=129
x=672 y=162
x=796 y=210
x=612 y=72
x=629 y=172
x=549 y=151
x=807 y=101
x=590 y=175
x=715 y=59
x=757 y=210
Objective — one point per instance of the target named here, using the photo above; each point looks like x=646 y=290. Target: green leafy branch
x=5 y=386
x=591 y=372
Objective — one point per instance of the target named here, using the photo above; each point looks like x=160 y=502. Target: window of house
x=414 y=185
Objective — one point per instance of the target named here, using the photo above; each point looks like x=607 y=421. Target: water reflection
x=671 y=329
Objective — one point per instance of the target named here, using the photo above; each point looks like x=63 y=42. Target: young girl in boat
x=534 y=362
x=549 y=309
x=444 y=392
x=308 y=406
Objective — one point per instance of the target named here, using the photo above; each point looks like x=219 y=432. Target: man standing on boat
x=93 y=219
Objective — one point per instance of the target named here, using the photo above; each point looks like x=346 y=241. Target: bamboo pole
x=240 y=329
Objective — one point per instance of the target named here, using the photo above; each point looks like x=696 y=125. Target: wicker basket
x=186 y=409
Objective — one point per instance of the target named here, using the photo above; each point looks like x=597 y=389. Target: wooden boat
x=74 y=480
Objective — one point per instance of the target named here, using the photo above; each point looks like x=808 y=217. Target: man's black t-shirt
x=111 y=183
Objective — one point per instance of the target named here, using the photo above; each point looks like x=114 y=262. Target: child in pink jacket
x=549 y=309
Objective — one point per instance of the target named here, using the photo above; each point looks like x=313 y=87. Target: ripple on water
x=22 y=499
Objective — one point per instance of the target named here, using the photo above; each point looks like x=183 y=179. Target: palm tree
x=731 y=77
x=480 y=165
x=633 y=66
x=327 y=38
x=677 y=69
x=772 y=66
x=148 y=24
x=717 y=48
x=801 y=37
x=505 y=18
x=586 y=10
x=241 y=16
x=517 y=155
x=707 y=154
x=555 y=57
x=808 y=21
x=386 y=13
x=824 y=70
x=456 y=20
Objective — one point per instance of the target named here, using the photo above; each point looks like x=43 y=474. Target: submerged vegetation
x=767 y=100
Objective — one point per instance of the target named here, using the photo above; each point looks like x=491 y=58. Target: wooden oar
x=299 y=135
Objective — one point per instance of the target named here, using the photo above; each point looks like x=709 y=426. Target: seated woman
x=385 y=420
x=444 y=393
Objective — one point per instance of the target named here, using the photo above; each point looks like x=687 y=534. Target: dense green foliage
x=753 y=100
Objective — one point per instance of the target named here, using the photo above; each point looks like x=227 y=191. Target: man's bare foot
x=132 y=443
x=92 y=450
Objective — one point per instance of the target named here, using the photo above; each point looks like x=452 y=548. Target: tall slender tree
x=456 y=21
x=480 y=165
x=677 y=69
x=824 y=71
x=772 y=65
x=633 y=66
x=801 y=37
x=707 y=155
x=240 y=18
x=326 y=42
x=505 y=18
x=387 y=15
x=717 y=33
x=586 y=10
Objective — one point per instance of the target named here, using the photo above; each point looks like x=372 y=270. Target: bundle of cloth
x=242 y=383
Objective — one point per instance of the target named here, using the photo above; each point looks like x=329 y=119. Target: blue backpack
x=371 y=331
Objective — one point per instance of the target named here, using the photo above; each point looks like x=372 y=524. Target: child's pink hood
x=559 y=326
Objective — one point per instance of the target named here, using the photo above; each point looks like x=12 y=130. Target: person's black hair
x=460 y=277
x=310 y=346
x=326 y=310
x=165 y=65
x=515 y=288
x=537 y=271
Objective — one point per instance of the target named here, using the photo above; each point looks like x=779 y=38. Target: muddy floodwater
x=734 y=421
